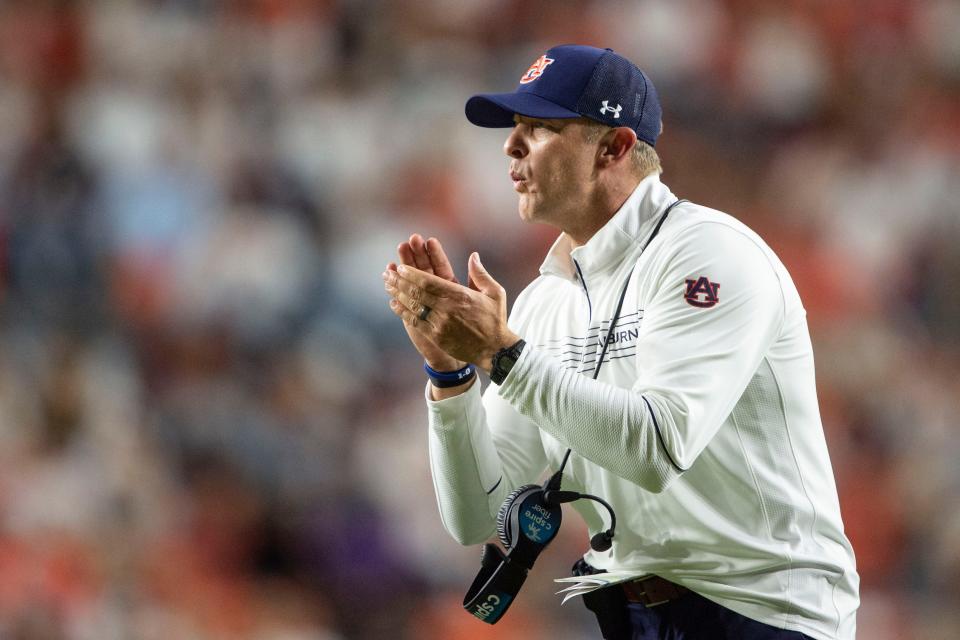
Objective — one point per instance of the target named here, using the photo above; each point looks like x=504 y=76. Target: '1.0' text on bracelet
x=446 y=379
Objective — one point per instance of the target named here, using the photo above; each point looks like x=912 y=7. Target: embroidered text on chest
x=580 y=352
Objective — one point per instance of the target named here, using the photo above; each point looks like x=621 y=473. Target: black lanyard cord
x=616 y=313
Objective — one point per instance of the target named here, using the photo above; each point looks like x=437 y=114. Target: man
x=701 y=427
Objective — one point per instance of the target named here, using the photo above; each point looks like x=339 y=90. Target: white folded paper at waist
x=585 y=584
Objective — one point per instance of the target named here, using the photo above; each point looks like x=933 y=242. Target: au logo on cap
x=536 y=69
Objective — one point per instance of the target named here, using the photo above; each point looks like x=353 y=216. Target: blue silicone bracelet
x=448 y=377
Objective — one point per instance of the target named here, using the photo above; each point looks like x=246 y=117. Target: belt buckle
x=651 y=580
x=657 y=603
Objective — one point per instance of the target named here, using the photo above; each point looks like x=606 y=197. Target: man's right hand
x=428 y=255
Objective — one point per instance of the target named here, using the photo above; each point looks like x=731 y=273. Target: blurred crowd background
x=212 y=427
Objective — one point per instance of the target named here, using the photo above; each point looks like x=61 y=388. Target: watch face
x=503 y=362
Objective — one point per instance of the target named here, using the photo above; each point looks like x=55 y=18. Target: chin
x=527 y=216
x=527 y=210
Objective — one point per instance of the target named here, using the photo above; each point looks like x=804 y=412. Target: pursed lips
x=519 y=182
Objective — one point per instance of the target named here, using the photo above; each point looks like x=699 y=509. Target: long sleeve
x=480 y=450
x=702 y=428
x=698 y=348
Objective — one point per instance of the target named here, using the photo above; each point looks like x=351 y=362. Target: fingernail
x=385 y=276
x=401 y=268
x=476 y=259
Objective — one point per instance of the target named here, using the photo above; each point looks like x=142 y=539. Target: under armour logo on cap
x=615 y=110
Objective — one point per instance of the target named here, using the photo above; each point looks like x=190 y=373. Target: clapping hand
x=449 y=324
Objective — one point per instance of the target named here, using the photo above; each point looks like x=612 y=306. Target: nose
x=515 y=146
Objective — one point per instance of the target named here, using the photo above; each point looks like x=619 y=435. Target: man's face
x=552 y=168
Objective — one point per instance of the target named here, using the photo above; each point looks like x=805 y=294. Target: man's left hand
x=469 y=323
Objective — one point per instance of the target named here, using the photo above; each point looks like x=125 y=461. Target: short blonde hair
x=644 y=157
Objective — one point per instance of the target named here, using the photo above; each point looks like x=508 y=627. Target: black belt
x=652 y=591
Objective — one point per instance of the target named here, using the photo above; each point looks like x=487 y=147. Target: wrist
x=447 y=379
x=444 y=365
x=504 y=360
x=485 y=362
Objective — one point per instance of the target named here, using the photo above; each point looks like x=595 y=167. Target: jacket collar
x=628 y=227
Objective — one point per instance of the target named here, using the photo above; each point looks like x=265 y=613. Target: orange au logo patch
x=536 y=69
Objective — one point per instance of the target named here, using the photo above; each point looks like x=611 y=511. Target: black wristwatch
x=503 y=361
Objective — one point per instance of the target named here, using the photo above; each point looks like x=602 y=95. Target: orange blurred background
x=211 y=426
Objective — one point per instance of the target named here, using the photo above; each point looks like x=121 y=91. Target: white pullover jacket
x=702 y=430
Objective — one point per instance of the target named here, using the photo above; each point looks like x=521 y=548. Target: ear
x=615 y=146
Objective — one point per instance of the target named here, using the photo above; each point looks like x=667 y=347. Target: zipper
x=586 y=340
x=583 y=283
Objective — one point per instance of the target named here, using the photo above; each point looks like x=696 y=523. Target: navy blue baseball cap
x=570 y=81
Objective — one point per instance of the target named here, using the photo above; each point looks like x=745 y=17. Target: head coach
x=660 y=362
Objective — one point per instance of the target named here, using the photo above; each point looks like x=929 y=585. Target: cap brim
x=495 y=110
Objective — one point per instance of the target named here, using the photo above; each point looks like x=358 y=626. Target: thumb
x=482 y=281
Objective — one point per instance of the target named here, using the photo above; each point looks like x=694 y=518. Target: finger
x=407 y=277
x=391 y=268
x=399 y=310
x=409 y=318
x=389 y=272
x=415 y=305
x=405 y=253
x=439 y=261
x=482 y=280
x=396 y=307
x=420 y=256
x=414 y=297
